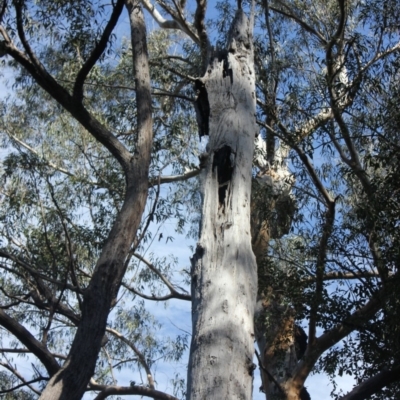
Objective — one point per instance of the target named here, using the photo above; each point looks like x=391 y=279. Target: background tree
x=93 y=135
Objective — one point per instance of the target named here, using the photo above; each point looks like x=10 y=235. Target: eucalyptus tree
x=95 y=123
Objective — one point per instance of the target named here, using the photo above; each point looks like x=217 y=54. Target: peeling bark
x=224 y=271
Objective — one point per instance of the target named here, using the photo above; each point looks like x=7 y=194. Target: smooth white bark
x=224 y=271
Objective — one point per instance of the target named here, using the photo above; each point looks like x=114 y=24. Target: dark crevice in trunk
x=223 y=164
x=202 y=107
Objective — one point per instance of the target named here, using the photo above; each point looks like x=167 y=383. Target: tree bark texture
x=71 y=381
x=280 y=341
x=224 y=271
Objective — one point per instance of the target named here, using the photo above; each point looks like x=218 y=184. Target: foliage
x=327 y=90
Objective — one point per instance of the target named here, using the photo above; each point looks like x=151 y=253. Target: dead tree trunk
x=224 y=271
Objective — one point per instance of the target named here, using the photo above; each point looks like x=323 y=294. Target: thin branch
x=68 y=244
x=170 y=24
x=97 y=51
x=35 y=273
x=21 y=33
x=161 y=92
x=78 y=111
x=3 y=10
x=270 y=376
x=129 y=390
x=317 y=182
x=320 y=270
x=380 y=55
x=173 y=70
x=139 y=354
x=303 y=24
x=337 y=275
x=334 y=335
x=22 y=351
x=146 y=227
x=169 y=285
x=33 y=151
x=178 y=296
x=21 y=378
x=25 y=383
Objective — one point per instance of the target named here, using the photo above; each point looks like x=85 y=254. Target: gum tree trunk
x=224 y=271
x=71 y=381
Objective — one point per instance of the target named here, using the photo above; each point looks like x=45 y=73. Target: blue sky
x=177 y=311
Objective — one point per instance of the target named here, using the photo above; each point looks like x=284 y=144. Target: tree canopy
x=101 y=112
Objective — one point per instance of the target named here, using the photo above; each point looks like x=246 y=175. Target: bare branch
x=21 y=378
x=139 y=354
x=320 y=270
x=26 y=338
x=270 y=376
x=379 y=55
x=317 y=182
x=97 y=51
x=372 y=385
x=173 y=70
x=169 y=285
x=129 y=390
x=161 y=92
x=25 y=383
x=9 y=350
x=175 y=178
x=158 y=298
x=337 y=275
x=170 y=24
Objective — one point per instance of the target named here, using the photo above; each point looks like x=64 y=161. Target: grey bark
x=224 y=271
x=72 y=379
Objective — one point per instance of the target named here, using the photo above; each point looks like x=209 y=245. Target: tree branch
x=138 y=353
x=97 y=51
x=175 y=178
x=25 y=383
x=21 y=378
x=179 y=296
x=320 y=270
x=77 y=110
x=372 y=385
x=169 y=285
x=129 y=390
x=199 y=23
x=356 y=320
x=317 y=182
x=337 y=275
x=303 y=24
x=169 y=24
x=26 y=338
x=35 y=273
